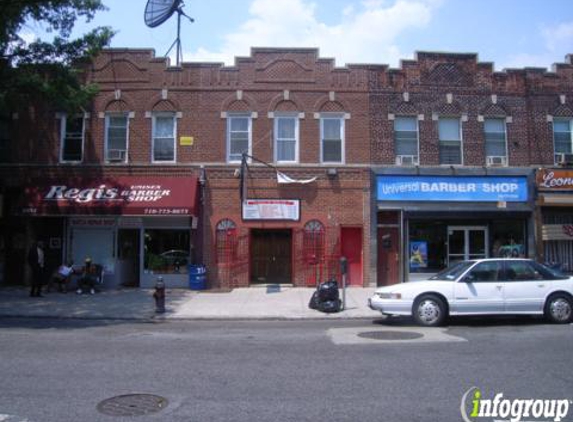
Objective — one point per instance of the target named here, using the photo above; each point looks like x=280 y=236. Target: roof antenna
x=158 y=11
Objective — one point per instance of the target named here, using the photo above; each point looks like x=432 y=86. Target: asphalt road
x=61 y=370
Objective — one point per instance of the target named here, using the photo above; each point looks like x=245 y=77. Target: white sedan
x=481 y=287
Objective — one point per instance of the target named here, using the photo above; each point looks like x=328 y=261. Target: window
x=486 y=271
x=239 y=129
x=406 y=140
x=286 y=139
x=332 y=139
x=116 y=136
x=450 y=141
x=522 y=271
x=72 y=138
x=562 y=137
x=495 y=141
x=167 y=251
x=163 y=143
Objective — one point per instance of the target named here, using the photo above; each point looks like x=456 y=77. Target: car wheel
x=559 y=309
x=429 y=311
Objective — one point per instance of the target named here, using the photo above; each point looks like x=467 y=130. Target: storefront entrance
x=271 y=256
x=467 y=242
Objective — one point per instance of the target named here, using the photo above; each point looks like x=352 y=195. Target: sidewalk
x=253 y=303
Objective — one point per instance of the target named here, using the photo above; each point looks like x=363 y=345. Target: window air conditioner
x=564 y=159
x=406 y=160
x=496 y=160
x=116 y=154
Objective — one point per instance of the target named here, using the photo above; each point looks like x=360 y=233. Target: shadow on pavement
x=470 y=321
x=48 y=323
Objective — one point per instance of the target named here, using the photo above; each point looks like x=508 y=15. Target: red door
x=351 y=240
x=388 y=256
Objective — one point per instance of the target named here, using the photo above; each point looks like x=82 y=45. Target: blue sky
x=510 y=33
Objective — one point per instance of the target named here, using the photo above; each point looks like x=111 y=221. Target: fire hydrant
x=159 y=296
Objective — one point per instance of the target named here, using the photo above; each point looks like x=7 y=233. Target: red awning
x=151 y=196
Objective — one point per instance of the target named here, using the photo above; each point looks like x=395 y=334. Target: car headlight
x=389 y=295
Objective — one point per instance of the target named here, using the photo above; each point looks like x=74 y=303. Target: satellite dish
x=158 y=11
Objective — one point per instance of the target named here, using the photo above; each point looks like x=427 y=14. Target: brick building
x=400 y=170
x=154 y=129
x=455 y=146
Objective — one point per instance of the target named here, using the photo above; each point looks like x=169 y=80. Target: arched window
x=226 y=241
x=313 y=242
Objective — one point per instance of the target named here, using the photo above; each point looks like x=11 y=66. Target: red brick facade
x=273 y=81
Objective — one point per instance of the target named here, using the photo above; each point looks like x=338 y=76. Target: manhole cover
x=390 y=335
x=132 y=405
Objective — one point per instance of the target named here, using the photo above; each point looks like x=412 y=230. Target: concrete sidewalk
x=253 y=303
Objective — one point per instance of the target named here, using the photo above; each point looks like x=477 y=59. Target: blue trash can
x=197 y=277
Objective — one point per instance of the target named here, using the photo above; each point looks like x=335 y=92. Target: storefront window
x=167 y=251
x=435 y=244
x=508 y=239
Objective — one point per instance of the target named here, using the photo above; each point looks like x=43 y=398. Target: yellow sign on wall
x=186 y=140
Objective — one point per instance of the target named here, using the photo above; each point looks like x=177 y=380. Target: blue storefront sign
x=450 y=188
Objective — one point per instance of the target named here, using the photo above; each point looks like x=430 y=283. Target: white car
x=481 y=287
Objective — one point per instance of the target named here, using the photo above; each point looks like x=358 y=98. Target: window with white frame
x=72 y=138
x=286 y=138
x=164 y=134
x=495 y=140
x=562 y=137
x=332 y=139
x=449 y=132
x=406 y=140
x=239 y=134
x=116 y=137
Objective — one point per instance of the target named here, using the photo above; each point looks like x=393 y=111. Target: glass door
x=467 y=242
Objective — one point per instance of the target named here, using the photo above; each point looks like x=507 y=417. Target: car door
x=525 y=287
x=480 y=290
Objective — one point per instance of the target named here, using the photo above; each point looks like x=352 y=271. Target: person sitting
x=89 y=277
x=62 y=277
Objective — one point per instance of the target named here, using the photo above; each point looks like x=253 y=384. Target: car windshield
x=453 y=272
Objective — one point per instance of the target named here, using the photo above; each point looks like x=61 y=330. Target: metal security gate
x=231 y=253
x=320 y=256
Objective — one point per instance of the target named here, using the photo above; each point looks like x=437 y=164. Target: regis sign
x=126 y=195
x=554 y=180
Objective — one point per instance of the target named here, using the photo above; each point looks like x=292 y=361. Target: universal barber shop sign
x=153 y=196
x=450 y=188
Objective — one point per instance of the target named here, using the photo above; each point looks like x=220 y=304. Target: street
x=365 y=370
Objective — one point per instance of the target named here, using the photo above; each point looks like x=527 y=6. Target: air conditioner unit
x=406 y=160
x=116 y=154
x=496 y=160
x=564 y=159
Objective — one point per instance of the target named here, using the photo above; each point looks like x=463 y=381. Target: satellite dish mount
x=158 y=11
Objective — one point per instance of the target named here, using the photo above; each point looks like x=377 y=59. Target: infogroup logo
x=475 y=408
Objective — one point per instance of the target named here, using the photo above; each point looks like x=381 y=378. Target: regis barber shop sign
x=118 y=196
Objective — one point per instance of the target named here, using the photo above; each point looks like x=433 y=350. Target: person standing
x=36 y=259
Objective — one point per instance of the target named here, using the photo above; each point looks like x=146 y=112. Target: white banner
x=271 y=209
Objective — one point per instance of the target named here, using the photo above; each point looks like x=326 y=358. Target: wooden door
x=271 y=256
x=351 y=241
x=388 y=256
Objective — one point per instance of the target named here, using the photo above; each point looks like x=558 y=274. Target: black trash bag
x=331 y=306
x=326 y=298
x=314 y=301
x=328 y=290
